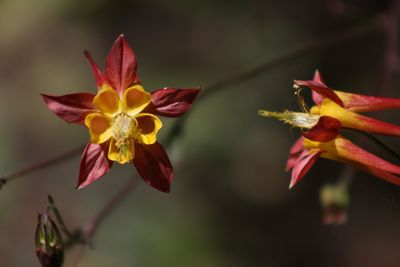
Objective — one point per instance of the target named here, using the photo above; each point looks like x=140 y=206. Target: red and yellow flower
x=334 y=110
x=122 y=119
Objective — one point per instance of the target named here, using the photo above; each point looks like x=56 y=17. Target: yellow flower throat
x=124 y=132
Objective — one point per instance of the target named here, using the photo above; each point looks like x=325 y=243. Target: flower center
x=124 y=129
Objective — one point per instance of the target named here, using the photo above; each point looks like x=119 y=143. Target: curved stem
x=87 y=231
x=90 y=228
x=42 y=165
x=377 y=141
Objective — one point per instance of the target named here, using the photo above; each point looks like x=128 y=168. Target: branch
x=90 y=228
x=315 y=45
x=42 y=165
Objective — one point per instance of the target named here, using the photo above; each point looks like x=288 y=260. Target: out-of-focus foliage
x=229 y=205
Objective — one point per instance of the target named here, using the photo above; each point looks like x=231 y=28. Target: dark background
x=230 y=204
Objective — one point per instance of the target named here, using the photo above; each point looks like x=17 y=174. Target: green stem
x=58 y=217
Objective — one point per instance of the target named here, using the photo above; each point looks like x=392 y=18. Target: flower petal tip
x=166 y=190
x=318 y=77
x=78 y=187
x=291 y=185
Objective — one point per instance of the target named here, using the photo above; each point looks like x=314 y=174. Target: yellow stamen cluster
x=124 y=128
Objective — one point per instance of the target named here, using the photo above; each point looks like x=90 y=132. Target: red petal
x=302 y=167
x=325 y=130
x=295 y=153
x=153 y=165
x=319 y=87
x=361 y=103
x=171 y=102
x=318 y=78
x=315 y=96
x=71 y=108
x=121 y=65
x=97 y=73
x=94 y=164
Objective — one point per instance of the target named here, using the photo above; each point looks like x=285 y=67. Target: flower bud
x=334 y=200
x=48 y=242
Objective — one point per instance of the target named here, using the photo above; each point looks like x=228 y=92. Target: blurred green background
x=230 y=204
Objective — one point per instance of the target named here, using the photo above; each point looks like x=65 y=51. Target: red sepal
x=325 y=130
x=153 y=165
x=71 y=108
x=302 y=166
x=97 y=73
x=317 y=98
x=295 y=153
x=171 y=102
x=94 y=164
x=317 y=86
x=121 y=65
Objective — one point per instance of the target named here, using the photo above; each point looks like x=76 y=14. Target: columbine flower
x=122 y=119
x=335 y=110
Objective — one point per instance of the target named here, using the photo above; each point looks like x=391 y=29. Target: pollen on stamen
x=123 y=129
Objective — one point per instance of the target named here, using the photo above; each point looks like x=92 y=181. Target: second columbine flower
x=335 y=110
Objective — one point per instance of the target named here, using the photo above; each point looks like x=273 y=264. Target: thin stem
x=58 y=217
x=380 y=144
x=42 y=165
x=320 y=43
x=90 y=228
x=377 y=141
x=315 y=45
x=346 y=176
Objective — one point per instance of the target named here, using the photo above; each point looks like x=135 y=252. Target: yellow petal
x=135 y=99
x=348 y=118
x=122 y=154
x=107 y=100
x=99 y=127
x=148 y=126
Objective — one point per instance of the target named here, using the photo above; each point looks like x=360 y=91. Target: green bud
x=48 y=242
